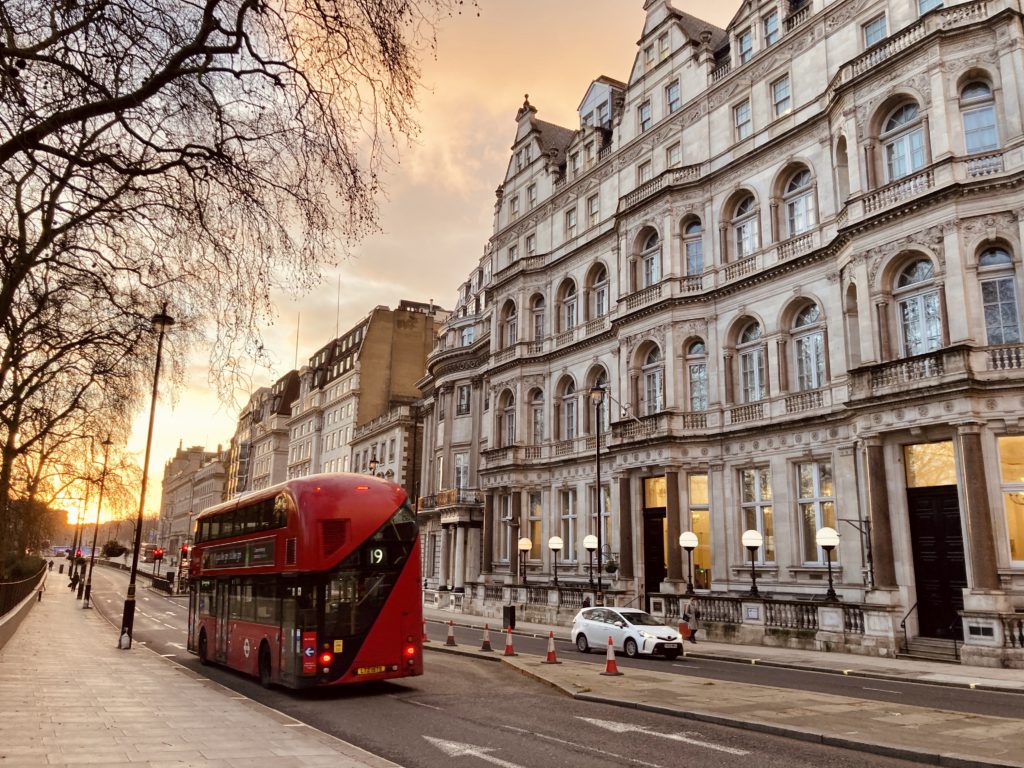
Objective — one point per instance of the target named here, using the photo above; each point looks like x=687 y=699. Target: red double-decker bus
x=309 y=583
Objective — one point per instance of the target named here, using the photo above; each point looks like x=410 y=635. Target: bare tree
x=196 y=153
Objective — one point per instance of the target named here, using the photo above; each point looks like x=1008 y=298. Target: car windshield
x=642 y=619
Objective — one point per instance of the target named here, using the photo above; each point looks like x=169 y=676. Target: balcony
x=458 y=497
x=899 y=191
x=671 y=177
x=1006 y=358
x=898 y=376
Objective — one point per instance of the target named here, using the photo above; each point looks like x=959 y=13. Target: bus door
x=220 y=652
x=298 y=628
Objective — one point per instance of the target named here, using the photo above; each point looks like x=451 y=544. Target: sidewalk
x=69 y=697
x=939 y=737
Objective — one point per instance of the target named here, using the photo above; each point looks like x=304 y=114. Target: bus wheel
x=265 y=670
x=203 y=655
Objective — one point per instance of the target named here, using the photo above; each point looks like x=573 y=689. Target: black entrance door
x=939 y=566
x=654 y=553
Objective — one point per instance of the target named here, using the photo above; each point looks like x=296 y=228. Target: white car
x=632 y=631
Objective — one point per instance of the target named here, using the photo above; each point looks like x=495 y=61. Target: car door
x=593 y=626
x=618 y=633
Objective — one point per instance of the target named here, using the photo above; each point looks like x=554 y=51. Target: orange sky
x=438 y=211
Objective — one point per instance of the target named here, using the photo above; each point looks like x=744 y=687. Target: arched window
x=809 y=348
x=650 y=261
x=569 y=413
x=978 y=111
x=752 y=368
x=510 y=325
x=537 y=418
x=694 y=247
x=697 y=375
x=903 y=139
x=744 y=227
x=654 y=382
x=507 y=419
x=799 y=200
x=919 y=309
x=599 y=291
x=999 y=297
x=570 y=312
x=537 y=312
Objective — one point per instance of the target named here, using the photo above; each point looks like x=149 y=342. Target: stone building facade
x=788 y=254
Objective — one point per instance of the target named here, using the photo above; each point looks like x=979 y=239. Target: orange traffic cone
x=509 y=650
x=486 y=646
x=451 y=634
x=610 y=667
x=425 y=638
x=551 y=659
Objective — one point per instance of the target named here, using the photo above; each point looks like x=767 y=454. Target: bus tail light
x=326 y=657
x=410 y=654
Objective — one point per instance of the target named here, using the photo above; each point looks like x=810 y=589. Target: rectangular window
x=663 y=47
x=568 y=520
x=1000 y=307
x=513 y=253
x=698 y=386
x=928 y=5
x=648 y=58
x=810 y=361
x=700 y=524
x=531 y=245
x=602 y=114
x=602 y=502
x=780 y=96
x=745 y=45
x=771 y=28
x=741 y=120
x=980 y=130
x=644 y=118
x=588 y=155
x=752 y=375
x=513 y=208
x=462 y=402
x=644 y=172
x=574 y=164
x=674 y=155
x=531 y=196
x=816 y=499
x=506 y=533
x=672 y=99
x=1011 y=467
x=535 y=525
x=756 y=503
x=570 y=223
x=593 y=210
x=874 y=31
x=461 y=470
x=468 y=335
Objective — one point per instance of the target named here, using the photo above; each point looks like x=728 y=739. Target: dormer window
x=648 y=58
x=588 y=119
x=574 y=163
x=602 y=114
x=663 y=47
x=745 y=45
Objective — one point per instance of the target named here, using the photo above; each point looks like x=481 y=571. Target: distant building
x=193 y=480
x=788 y=256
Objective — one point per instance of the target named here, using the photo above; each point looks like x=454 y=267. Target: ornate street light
x=555 y=545
x=828 y=539
x=373 y=465
x=752 y=540
x=525 y=545
x=590 y=544
x=161 y=322
x=95 y=531
x=688 y=541
x=597 y=397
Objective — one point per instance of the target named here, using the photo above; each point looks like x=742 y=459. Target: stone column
x=878 y=511
x=675 y=555
x=459 y=582
x=625 y=528
x=977 y=515
x=487 y=538
x=442 y=576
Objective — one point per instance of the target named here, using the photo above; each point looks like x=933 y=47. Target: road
x=468 y=712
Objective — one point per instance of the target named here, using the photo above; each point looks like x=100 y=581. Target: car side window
x=613 y=618
x=595 y=614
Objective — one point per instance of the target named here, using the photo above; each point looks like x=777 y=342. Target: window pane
x=698 y=489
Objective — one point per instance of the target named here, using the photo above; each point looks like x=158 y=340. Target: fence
x=13 y=592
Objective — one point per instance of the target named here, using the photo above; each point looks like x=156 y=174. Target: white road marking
x=168 y=655
x=179 y=646
x=584 y=747
x=614 y=727
x=169 y=626
x=458 y=749
x=883 y=690
x=419 y=704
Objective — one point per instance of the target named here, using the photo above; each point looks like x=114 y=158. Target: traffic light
x=184 y=551
x=158 y=554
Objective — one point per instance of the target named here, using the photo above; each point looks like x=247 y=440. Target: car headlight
x=646 y=634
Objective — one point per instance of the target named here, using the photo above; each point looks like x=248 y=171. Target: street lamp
x=590 y=544
x=373 y=465
x=752 y=540
x=828 y=539
x=688 y=541
x=161 y=322
x=555 y=545
x=525 y=545
x=95 y=531
x=597 y=397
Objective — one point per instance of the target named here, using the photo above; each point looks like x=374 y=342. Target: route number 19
x=376 y=556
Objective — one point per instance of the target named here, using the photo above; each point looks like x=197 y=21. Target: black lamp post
x=373 y=465
x=688 y=541
x=597 y=396
x=828 y=539
x=590 y=544
x=524 y=546
x=555 y=545
x=161 y=322
x=95 y=531
x=752 y=540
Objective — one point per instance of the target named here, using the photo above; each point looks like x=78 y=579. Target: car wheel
x=671 y=655
x=630 y=648
x=204 y=657
x=265 y=668
x=581 y=643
